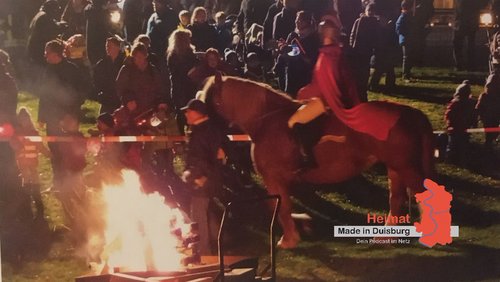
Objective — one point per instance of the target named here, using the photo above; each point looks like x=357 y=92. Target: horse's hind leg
x=291 y=236
x=413 y=180
x=397 y=193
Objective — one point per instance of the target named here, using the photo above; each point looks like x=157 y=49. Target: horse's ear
x=218 y=78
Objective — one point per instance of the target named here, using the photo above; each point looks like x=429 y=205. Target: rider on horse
x=337 y=79
x=334 y=84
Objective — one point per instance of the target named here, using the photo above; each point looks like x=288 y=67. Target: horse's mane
x=273 y=97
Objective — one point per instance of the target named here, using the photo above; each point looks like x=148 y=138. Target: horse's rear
x=409 y=157
x=407 y=154
x=341 y=154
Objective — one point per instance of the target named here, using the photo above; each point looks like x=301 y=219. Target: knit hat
x=463 y=90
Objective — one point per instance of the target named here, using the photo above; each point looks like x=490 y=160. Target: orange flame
x=138 y=228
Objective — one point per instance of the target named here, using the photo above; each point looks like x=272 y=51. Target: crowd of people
x=157 y=63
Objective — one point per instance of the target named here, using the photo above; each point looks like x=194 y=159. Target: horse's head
x=241 y=101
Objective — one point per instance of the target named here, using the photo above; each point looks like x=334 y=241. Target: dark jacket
x=389 y=9
x=160 y=26
x=488 y=107
x=105 y=74
x=98 y=30
x=295 y=72
x=183 y=89
x=364 y=36
x=205 y=140
x=284 y=23
x=8 y=96
x=133 y=18
x=224 y=38
x=387 y=48
x=146 y=86
x=75 y=20
x=348 y=13
x=204 y=36
x=467 y=14
x=43 y=28
x=488 y=104
x=61 y=91
x=252 y=11
x=269 y=20
x=423 y=12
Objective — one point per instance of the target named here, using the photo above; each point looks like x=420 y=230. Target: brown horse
x=341 y=153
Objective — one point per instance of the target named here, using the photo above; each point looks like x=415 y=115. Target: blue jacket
x=404 y=28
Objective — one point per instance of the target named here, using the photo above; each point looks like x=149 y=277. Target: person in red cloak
x=333 y=86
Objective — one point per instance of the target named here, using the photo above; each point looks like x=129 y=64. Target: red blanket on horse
x=333 y=82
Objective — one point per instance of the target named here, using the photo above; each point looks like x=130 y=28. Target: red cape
x=334 y=83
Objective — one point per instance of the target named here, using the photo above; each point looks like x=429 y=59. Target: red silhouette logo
x=435 y=222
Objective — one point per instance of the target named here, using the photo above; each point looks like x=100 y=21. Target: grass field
x=475 y=255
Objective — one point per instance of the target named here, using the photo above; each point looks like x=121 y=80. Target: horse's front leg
x=291 y=236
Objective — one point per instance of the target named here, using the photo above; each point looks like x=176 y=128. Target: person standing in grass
x=488 y=107
x=404 y=29
x=459 y=116
x=363 y=41
x=27 y=158
x=203 y=169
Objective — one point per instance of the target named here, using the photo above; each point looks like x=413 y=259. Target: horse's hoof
x=288 y=243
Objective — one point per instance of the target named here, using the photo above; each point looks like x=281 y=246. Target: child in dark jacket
x=459 y=116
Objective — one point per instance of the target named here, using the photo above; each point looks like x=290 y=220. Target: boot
x=307 y=160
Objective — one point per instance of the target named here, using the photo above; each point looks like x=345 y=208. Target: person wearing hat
x=459 y=116
x=203 y=173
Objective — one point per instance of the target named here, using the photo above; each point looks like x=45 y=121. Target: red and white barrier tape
x=473 y=130
x=119 y=139
x=175 y=138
